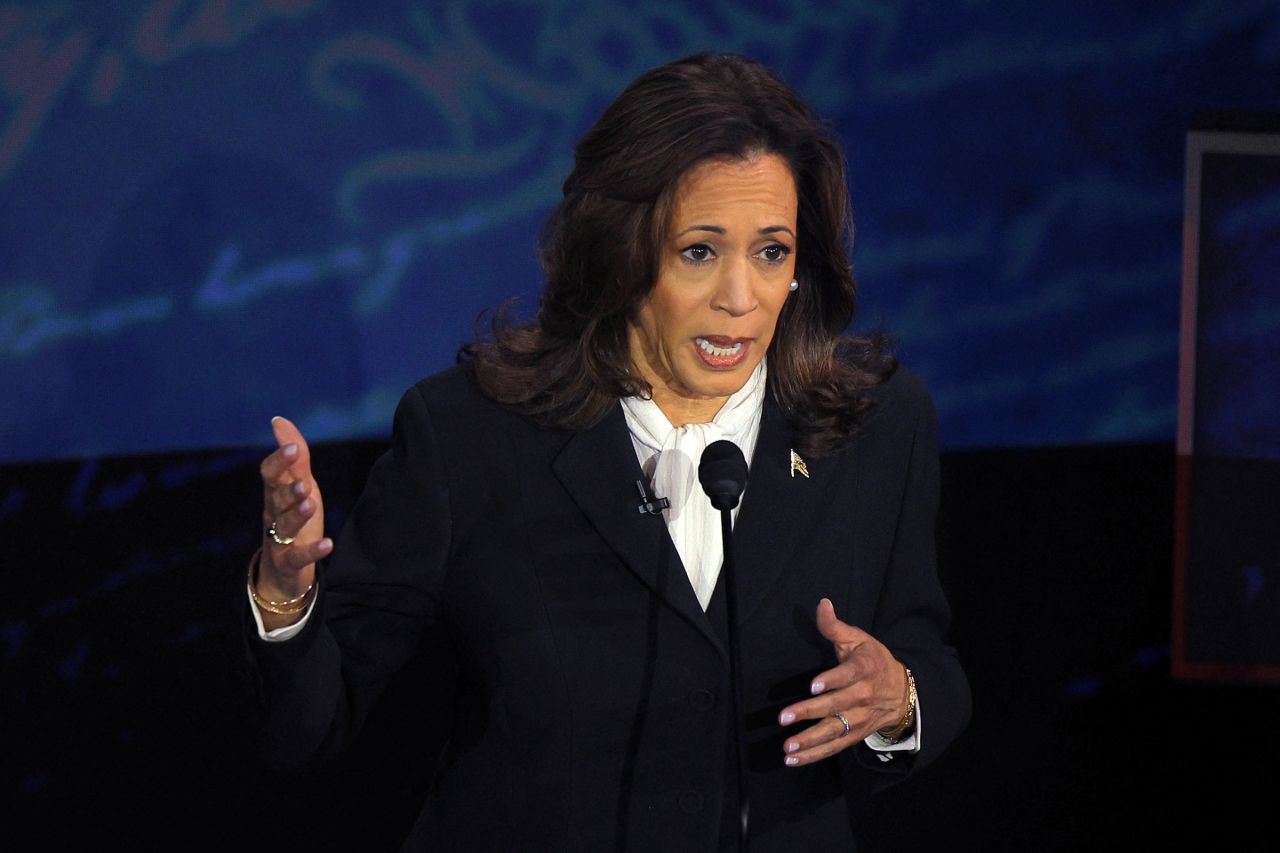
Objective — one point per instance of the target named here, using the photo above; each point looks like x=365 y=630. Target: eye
x=775 y=254
x=698 y=253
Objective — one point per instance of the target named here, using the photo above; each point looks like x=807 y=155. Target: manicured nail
x=299 y=488
x=793 y=747
x=817 y=687
x=290 y=450
x=786 y=717
x=324 y=546
x=276 y=418
x=305 y=506
x=791 y=761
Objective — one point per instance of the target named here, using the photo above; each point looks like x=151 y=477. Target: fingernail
x=299 y=488
x=325 y=546
x=786 y=717
x=817 y=687
x=290 y=450
x=305 y=506
x=793 y=747
x=276 y=418
x=791 y=761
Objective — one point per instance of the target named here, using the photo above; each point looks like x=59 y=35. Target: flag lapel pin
x=797 y=464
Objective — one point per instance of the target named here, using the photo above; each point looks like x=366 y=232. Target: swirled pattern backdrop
x=214 y=212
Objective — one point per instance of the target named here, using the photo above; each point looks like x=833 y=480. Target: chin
x=707 y=382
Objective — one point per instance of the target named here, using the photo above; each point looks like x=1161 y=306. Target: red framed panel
x=1226 y=572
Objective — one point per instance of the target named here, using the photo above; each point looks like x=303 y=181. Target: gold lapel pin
x=797 y=464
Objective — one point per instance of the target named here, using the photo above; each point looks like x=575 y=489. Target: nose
x=735 y=292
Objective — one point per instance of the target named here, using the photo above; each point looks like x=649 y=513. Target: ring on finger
x=288 y=540
x=842 y=718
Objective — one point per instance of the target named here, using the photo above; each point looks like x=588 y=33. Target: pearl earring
x=795 y=285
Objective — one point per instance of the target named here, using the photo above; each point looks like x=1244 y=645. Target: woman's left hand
x=868 y=687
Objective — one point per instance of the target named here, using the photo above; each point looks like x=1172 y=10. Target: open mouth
x=721 y=352
x=711 y=349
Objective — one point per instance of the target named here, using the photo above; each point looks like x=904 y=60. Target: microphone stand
x=735 y=678
x=723 y=474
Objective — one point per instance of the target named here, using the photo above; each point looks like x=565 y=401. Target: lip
x=721 y=360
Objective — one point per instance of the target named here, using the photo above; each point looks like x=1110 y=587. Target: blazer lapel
x=778 y=507
x=599 y=468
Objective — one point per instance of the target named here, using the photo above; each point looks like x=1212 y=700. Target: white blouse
x=669 y=457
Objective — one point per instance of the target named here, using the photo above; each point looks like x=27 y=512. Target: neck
x=682 y=410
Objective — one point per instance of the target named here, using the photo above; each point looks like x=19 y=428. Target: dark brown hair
x=601 y=246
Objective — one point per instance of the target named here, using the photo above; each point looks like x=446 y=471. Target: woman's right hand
x=291 y=501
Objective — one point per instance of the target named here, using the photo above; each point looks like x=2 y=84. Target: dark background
x=121 y=721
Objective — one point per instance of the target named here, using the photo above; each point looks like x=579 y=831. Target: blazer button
x=702 y=699
x=690 y=802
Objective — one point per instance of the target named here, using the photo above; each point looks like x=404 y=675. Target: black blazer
x=592 y=693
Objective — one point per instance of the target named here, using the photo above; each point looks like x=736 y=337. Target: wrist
x=897 y=731
x=270 y=601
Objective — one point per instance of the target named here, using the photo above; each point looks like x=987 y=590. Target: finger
x=284 y=498
x=855 y=696
x=292 y=456
x=275 y=467
x=822 y=740
x=848 y=672
x=287 y=432
x=836 y=631
x=299 y=556
x=289 y=524
x=281 y=506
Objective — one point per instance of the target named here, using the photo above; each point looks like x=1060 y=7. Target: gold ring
x=288 y=540
x=843 y=719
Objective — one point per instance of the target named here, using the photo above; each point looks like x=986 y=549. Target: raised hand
x=292 y=522
x=867 y=688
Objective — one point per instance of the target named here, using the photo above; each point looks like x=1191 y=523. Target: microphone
x=650 y=504
x=722 y=471
x=723 y=474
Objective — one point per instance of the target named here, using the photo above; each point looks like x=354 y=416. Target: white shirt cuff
x=910 y=743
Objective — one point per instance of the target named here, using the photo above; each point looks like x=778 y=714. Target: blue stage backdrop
x=215 y=212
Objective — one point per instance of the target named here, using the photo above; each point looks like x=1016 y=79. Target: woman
x=698 y=285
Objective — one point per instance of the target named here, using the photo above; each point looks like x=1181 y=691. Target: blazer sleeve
x=379 y=598
x=912 y=615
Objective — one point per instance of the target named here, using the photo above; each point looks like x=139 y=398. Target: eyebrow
x=716 y=229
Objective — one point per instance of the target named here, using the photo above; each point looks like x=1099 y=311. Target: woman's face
x=724 y=275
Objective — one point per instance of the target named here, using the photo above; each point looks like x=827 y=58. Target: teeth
x=711 y=349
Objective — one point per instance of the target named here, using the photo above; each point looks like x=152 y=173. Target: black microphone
x=722 y=472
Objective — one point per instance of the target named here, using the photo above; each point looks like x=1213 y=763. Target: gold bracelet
x=280 y=608
x=279 y=611
x=909 y=717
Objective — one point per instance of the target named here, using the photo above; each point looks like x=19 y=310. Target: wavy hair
x=600 y=251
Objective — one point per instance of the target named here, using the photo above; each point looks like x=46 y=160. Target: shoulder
x=902 y=419
x=457 y=382
x=457 y=409
x=903 y=396
x=451 y=394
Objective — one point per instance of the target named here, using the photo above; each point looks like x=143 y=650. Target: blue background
x=298 y=207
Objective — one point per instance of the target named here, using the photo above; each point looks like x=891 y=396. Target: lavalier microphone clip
x=650 y=505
